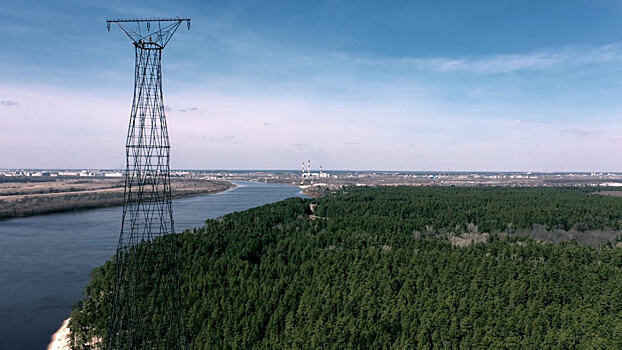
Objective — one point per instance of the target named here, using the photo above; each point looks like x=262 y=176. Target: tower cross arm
x=141 y=33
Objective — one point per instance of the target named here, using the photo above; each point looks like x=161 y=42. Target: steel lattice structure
x=146 y=313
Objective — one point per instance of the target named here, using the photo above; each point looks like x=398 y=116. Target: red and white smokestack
x=303 y=169
x=320 y=171
x=309 y=169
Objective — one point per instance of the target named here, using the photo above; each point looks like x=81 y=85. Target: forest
x=376 y=268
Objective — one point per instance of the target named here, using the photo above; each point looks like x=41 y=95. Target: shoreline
x=60 y=339
x=84 y=200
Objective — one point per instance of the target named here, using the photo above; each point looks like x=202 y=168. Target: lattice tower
x=146 y=313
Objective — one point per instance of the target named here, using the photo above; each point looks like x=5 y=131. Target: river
x=45 y=261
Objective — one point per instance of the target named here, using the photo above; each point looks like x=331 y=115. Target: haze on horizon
x=466 y=86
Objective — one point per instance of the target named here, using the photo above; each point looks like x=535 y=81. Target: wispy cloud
x=9 y=103
x=188 y=109
x=488 y=122
x=368 y=77
x=300 y=145
x=583 y=132
x=537 y=60
x=505 y=63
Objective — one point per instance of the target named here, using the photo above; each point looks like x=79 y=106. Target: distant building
x=41 y=174
x=114 y=174
x=90 y=173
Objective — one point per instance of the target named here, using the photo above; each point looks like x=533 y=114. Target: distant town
x=308 y=178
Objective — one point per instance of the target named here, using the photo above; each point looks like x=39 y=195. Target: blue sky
x=413 y=85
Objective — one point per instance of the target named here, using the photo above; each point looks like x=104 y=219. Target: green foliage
x=90 y=317
x=372 y=271
x=492 y=209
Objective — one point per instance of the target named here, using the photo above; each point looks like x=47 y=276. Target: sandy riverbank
x=60 y=339
x=19 y=199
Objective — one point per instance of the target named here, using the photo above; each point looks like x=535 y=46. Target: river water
x=45 y=261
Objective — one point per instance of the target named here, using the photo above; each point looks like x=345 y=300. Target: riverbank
x=60 y=339
x=28 y=198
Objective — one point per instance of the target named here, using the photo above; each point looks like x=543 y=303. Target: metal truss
x=147 y=303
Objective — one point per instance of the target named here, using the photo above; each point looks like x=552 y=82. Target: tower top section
x=149 y=33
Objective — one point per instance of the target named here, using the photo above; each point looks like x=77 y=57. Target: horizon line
x=333 y=170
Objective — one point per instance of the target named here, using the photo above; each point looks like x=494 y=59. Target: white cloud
x=339 y=110
x=583 y=131
x=536 y=60
x=80 y=129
